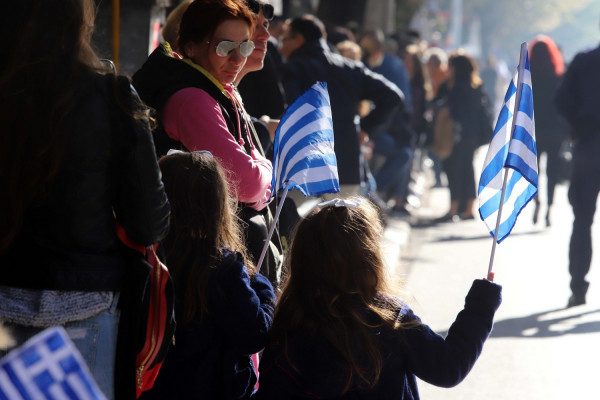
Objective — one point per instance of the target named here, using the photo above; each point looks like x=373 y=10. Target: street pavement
x=538 y=349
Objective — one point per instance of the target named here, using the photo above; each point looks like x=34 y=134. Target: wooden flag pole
x=490 y=275
x=272 y=228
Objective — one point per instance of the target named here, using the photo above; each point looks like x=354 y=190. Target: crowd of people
x=181 y=156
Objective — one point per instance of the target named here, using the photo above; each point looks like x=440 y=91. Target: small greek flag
x=303 y=154
x=510 y=161
x=47 y=366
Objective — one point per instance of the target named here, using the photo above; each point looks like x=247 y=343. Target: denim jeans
x=94 y=337
x=394 y=175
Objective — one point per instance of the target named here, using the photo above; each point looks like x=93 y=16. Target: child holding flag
x=223 y=308
x=338 y=330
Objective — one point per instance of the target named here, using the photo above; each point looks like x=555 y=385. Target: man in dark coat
x=308 y=60
x=577 y=100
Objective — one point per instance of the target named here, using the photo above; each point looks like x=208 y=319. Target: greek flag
x=514 y=156
x=303 y=154
x=47 y=366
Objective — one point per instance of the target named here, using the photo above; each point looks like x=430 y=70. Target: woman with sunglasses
x=199 y=109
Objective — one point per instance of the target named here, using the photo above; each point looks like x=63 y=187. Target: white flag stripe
x=77 y=386
x=518 y=147
x=509 y=205
x=296 y=116
x=492 y=188
x=497 y=144
x=326 y=111
x=525 y=121
x=7 y=386
x=58 y=393
x=316 y=148
x=526 y=77
x=315 y=174
x=321 y=90
x=315 y=126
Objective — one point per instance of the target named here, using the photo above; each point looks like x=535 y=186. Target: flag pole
x=490 y=275
x=272 y=228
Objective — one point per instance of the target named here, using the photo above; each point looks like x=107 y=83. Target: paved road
x=538 y=349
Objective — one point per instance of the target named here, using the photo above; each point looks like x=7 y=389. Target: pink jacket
x=194 y=118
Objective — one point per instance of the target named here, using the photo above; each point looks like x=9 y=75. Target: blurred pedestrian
x=470 y=113
x=551 y=129
x=577 y=100
x=223 y=306
x=340 y=331
x=76 y=154
x=436 y=66
x=308 y=60
x=395 y=140
x=436 y=62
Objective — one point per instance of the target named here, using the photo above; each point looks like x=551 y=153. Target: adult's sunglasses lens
x=268 y=11
x=225 y=47
x=246 y=48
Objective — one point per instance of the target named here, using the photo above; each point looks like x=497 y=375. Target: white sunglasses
x=225 y=47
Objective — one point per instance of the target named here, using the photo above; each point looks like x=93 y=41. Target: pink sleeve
x=194 y=118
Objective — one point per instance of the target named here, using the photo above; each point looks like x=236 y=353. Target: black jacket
x=348 y=83
x=68 y=239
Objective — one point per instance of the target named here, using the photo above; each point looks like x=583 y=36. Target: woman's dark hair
x=46 y=54
x=336 y=280
x=203 y=226
x=202 y=17
x=545 y=57
x=465 y=69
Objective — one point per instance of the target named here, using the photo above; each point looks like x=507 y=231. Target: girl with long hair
x=76 y=153
x=222 y=306
x=340 y=332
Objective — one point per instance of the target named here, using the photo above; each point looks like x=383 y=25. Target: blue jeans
x=95 y=338
x=394 y=175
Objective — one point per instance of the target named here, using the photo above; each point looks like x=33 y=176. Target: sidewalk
x=433 y=202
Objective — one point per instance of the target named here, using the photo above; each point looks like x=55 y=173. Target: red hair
x=544 y=44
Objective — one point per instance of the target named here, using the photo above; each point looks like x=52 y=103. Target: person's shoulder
x=587 y=55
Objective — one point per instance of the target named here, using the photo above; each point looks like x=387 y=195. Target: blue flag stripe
x=315 y=161
x=311 y=135
x=304 y=147
x=302 y=120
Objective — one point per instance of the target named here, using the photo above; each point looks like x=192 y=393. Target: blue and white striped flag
x=47 y=366
x=517 y=154
x=303 y=154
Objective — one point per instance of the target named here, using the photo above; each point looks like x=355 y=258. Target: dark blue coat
x=348 y=83
x=319 y=373
x=211 y=357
